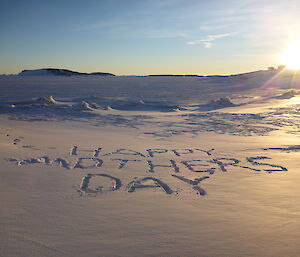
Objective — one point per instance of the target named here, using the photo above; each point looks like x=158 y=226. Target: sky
x=139 y=37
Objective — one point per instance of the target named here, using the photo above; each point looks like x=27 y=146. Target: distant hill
x=174 y=75
x=60 y=72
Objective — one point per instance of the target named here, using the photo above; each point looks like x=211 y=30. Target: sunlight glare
x=291 y=55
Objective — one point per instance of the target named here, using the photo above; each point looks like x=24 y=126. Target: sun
x=291 y=56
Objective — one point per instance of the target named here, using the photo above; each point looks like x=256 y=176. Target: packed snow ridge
x=222 y=102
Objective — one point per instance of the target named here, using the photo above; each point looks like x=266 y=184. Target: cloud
x=207 y=41
x=207 y=44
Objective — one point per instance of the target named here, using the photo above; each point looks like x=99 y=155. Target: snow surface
x=150 y=166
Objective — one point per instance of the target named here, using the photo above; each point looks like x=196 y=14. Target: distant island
x=60 y=72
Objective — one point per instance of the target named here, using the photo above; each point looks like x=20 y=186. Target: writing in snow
x=124 y=158
x=208 y=164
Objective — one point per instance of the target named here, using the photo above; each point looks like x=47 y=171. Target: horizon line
x=159 y=74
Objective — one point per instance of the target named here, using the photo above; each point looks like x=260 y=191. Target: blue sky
x=146 y=36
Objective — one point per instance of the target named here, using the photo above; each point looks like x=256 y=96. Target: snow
x=150 y=166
